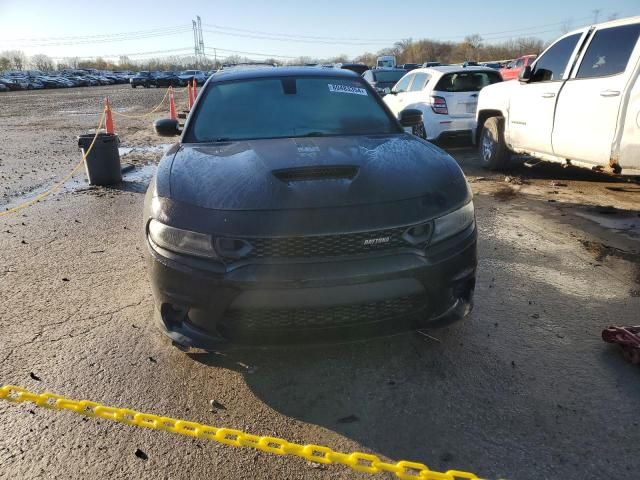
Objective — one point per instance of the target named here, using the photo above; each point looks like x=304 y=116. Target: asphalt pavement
x=524 y=388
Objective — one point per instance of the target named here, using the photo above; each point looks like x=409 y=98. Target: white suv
x=446 y=96
x=578 y=104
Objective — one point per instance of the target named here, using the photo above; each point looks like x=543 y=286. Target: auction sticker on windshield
x=347 y=89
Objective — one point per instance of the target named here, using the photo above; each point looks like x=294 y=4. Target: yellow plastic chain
x=155 y=109
x=362 y=462
x=57 y=186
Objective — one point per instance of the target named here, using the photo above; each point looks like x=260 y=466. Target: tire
x=419 y=131
x=494 y=153
x=133 y=86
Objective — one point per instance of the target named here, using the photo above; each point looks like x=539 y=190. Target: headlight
x=181 y=241
x=452 y=223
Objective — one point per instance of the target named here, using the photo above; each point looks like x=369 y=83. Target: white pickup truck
x=578 y=104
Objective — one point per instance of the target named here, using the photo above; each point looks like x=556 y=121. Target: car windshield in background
x=287 y=107
x=467 y=81
x=389 y=76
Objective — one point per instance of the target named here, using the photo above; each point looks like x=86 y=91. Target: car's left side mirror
x=410 y=117
x=167 y=127
x=525 y=74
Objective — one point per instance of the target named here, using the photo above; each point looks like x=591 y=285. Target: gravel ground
x=524 y=388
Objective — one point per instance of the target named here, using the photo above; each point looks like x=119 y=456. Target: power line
x=297 y=36
x=297 y=40
x=114 y=55
x=98 y=36
x=238 y=52
x=165 y=33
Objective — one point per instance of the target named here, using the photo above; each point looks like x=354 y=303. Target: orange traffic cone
x=189 y=103
x=172 y=105
x=108 y=116
x=195 y=90
x=192 y=92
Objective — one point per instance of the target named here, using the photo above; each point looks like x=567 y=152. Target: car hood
x=283 y=173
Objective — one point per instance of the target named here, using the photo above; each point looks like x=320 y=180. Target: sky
x=285 y=28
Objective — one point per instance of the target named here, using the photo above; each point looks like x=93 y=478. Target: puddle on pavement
x=155 y=149
x=622 y=221
x=135 y=179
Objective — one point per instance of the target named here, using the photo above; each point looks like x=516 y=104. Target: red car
x=514 y=67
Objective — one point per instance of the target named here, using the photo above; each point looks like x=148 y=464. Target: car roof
x=443 y=70
x=242 y=74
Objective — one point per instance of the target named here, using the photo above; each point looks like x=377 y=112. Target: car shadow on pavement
x=523 y=388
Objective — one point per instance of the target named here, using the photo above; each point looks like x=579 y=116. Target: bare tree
x=17 y=59
x=41 y=62
x=5 y=63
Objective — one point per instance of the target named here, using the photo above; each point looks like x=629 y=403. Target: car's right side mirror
x=525 y=74
x=167 y=127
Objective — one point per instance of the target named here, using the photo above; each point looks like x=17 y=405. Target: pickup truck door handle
x=609 y=93
x=548 y=95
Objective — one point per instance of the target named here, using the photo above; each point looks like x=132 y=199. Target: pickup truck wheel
x=419 y=131
x=494 y=153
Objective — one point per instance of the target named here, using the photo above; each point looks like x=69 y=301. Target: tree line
x=473 y=48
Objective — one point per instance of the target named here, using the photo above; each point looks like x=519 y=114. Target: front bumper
x=205 y=305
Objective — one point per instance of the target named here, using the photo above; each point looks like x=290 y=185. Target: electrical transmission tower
x=198 y=41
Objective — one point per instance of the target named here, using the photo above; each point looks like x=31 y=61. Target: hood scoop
x=324 y=172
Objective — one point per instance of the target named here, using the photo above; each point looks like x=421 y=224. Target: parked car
x=359 y=68
x=295 y=208
x=431 y=64
x=494 y=65
x=168 y=79
x=11 y=84
x=3 y=88
x=409 y=66
x=143 y=79
x=191 y=75
x=578 y=104
x=386 y=61
x=514 y=67
x=446 y=96
x=382 y=79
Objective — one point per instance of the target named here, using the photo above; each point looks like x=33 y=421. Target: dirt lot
x=523 y=389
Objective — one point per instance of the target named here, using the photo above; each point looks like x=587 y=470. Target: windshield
x=386 y=63
x=467 y=81
x=389 y=76
x=189 y=72
x=287 y=107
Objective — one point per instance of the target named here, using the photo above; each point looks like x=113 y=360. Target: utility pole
x=201 y=40
x=196 y=43
x=596 y=15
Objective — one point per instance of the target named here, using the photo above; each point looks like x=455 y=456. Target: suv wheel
x=494 y=153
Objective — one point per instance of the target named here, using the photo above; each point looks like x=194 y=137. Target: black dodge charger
x=295 y=208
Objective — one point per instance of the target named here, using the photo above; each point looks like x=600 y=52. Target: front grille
x=327 y=245
x=318 y=317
